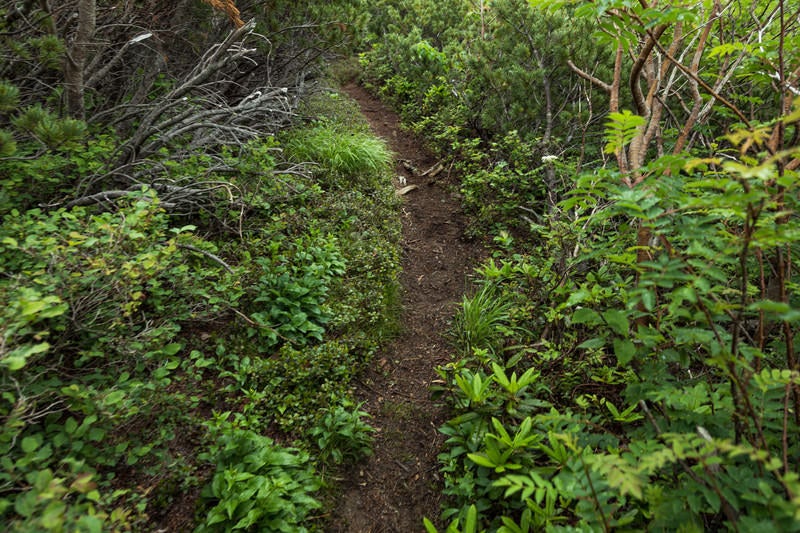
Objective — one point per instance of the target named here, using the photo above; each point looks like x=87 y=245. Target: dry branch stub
x=229 y=8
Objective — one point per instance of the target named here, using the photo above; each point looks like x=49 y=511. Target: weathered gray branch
x=220 y=55
x=103 y=72
x=209 y=255
x=104 y=196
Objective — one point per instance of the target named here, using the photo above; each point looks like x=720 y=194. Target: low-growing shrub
x=342 y=435
x=257 y=485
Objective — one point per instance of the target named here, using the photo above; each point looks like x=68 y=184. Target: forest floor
x=400 y=484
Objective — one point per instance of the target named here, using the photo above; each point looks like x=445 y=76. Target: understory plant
x=164 y=254
x=258 y=485
x=269 y=301
x=342 y=435
x=479 y=324
x=639 y=391
x=86 y=291
x=633 y=365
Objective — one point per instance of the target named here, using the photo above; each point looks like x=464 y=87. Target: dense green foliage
x=628 y=359
x=617 y=402
x=257 y=485
x=490 y=89
x=184 y=291
x=199 y=253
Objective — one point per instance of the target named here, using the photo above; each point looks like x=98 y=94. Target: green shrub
x=480 y=324
x=342 y=435
x=294 y=386
x=110 y=313
x=83 y=293
x=652 y=403
x=258 y=485
x=504 y=185
x=293 y=288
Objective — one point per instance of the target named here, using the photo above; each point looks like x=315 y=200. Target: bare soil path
x=399 y=485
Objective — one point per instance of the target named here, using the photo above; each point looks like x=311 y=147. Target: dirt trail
x=400 y=483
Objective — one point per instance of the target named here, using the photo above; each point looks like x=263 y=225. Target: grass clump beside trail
x=345 y=154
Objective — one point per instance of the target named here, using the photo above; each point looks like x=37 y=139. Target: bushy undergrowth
x=85 y=293
x=186 y=286
x=120 y=325
x=628 y=359
x=343 y=436
x=633 y=395
x=488 y=86
x=258 y=485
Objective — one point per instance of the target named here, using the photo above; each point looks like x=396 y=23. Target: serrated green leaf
x=617 y=321
x=624 y=350
x=587 y=316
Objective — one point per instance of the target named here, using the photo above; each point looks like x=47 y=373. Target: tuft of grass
x=481 y=322
x=346 y=70
x=339 y=154
x=336 y=110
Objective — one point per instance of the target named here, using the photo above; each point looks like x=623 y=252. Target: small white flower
x=549 y=158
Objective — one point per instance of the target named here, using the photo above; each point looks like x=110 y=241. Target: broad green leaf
x=595 y=342
x=114 y=397
x=578 y=296
x=481 y=460
x=500 y=375
x=91 y=524
x=71 y=425
x=83 y=483
x=587 y=316
x=30 y=444
x=617 y=321
x=648 y=300
x=25 y=504
x=624 y=350
x=172 y=348
x=471 y=523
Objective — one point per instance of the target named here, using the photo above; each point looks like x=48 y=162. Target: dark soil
x=399 y=485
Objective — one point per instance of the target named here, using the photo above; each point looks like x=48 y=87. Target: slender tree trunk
x=75 y=61
x=548 y=100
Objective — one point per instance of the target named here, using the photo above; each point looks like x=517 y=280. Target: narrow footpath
x=400 y=484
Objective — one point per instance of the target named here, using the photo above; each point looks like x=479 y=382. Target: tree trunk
x=75 y=61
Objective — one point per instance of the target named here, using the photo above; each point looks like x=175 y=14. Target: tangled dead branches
x=202 y=112
x=167 y=96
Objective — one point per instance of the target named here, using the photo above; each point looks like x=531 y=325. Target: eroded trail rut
x=399 y=485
